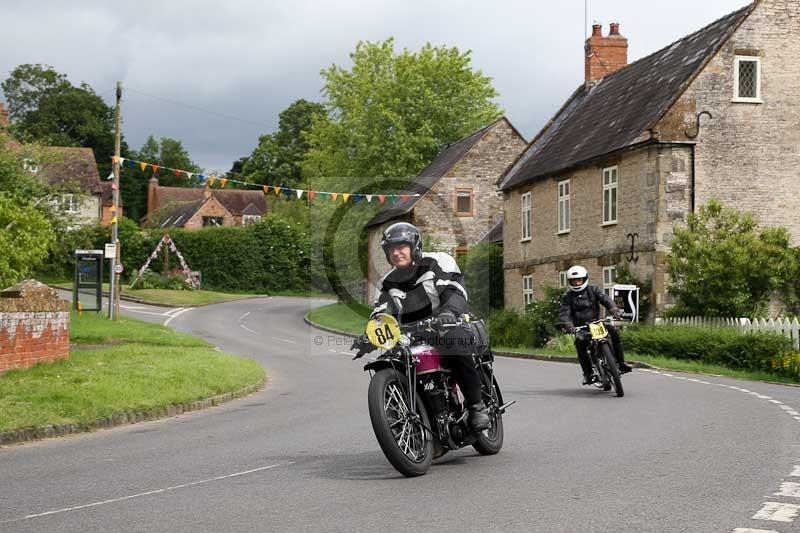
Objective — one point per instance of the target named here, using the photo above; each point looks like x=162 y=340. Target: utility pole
x=113 y=301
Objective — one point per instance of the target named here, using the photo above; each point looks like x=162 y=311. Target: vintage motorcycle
x=601 y=353
x=417 y=423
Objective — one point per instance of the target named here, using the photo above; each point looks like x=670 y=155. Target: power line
x=201 y=109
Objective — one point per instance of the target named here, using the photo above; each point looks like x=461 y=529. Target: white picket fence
x=786 y=327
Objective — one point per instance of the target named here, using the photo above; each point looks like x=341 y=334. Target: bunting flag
x=288 y=192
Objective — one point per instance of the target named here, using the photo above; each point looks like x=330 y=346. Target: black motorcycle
x=601 y=353
x=418 y=423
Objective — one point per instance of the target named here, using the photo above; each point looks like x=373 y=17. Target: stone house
x=72 y=174
x=184 y=207
x=637 y=147
x=458 y=200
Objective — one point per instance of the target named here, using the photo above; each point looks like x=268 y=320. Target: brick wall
x=34 y=326
x=212 y=208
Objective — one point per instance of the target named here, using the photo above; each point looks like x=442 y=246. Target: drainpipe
x=694 y=147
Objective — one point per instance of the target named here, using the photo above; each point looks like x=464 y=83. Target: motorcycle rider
x=580 y=305
x=422 y=285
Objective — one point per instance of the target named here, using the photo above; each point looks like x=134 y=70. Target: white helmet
x=577 y=272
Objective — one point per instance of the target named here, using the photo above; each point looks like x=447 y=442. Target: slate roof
x=182 y=213
x=615 y=112
x=494 y=235
x=448 y=156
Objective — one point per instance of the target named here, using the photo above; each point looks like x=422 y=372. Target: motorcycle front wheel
x=613 y=369
x=490 y=441
x=405 y=442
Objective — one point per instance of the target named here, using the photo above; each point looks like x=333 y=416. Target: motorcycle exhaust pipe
x=502 y=408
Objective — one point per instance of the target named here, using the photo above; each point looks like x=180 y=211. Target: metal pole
x=113 y=301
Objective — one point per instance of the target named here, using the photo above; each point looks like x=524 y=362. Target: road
x=678 y=453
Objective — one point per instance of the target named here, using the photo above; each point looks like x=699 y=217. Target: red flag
x=404 y=198
x=311 y=195
x=381 y=198
x=266 y=189
x=178 y=173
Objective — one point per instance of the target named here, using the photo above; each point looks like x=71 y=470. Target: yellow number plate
x=383 y=331
x=598 y=330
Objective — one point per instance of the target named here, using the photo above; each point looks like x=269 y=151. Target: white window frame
x=250 y=219
x=564 y=215
x=525 y=216
x=527 y=290
x=610 y=191
x=609 y=279
x=745 y=99
x=70 y=203
x=562 y=279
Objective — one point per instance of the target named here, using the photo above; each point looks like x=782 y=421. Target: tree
x=483 y=275
x=166 y=152
x=278 y=158
x=721 y=264
x=25 y=232
x=48 y=109
x=390 y=114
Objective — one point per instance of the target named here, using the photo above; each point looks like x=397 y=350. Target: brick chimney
x=605 y=55
x=3 y=116
x=152 y=195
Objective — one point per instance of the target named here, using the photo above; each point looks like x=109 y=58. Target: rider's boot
x=479 y=417
x=588 y=379
x=624 y=367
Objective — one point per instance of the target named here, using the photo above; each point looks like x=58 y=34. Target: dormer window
x=30 y=165
x=747 y=79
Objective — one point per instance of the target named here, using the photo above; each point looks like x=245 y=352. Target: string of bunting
x=290 y=192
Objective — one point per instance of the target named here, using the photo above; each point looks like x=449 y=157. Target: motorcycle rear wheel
x=406 y=444
x=490 y=441
x=613 y=369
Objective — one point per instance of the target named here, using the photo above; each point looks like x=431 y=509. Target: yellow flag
x=345 y=196
x=211 y=181
x=143 y=165
x=277 y=190
x=114 y=219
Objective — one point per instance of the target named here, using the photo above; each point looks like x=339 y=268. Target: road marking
x=150 y=492
x=244 y=315
x=284 y=340
x=178 y=313
x=248 y=329
x=173 y=311
x=748 y=530
x=796 y=472
x=133 y=307
x=145 y=312
x=777 y=512
x=789 y=489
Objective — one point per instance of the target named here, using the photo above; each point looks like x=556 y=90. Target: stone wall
x=434 y=214
x=653 y=194
x=34 y=326
x=748 y=154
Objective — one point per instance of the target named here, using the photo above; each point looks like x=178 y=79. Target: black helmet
x=402 y=233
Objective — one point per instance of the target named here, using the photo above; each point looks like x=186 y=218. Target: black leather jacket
x=579 y=308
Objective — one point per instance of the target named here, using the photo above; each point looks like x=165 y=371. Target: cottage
x=183 y=207
x=458 y=201
x=638 y=147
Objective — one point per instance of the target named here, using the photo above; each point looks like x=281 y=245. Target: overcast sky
x=248 y=60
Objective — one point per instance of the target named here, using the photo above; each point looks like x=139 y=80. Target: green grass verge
x=171 y=296
x=342 y=317
x=146 y=367
x=667 y=363
x=347 y=318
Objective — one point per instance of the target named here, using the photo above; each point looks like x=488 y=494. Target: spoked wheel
x=490 y=440
x=405 y=442
x=612 y=368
